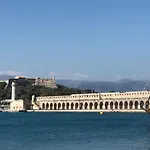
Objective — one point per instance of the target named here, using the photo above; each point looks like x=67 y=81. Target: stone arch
x=91 y=105
x=111 y=105
x=55 y=106
x=141 y=104
x=63 y=106
x=101 y=105
x=76 y=105
x=121 y=105
x=126 y=105
x=106 y=105
x=86 y=105
x=47 y=105
x=72 y=106
x=51 y=106
x=131 y=105
x=59 y=105
x=81 y=106
x=116 y=105
x=136 y=104
x=43 y=106
x=95 y=105
x=68 y=105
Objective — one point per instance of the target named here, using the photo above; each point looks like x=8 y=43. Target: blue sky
x=75 y=39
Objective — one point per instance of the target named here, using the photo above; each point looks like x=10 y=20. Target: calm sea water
x=74 y=131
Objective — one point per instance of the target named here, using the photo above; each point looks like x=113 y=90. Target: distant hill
x=5 y=77
x=104 y=86
x=25 y=90
x=101 y=86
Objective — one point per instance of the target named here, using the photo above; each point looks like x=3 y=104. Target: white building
x=13 y=105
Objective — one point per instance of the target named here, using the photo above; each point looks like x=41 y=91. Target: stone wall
x=46 y=82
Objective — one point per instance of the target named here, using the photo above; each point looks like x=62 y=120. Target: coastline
x=108 y=111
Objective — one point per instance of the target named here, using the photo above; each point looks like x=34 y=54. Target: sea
x=74 y=131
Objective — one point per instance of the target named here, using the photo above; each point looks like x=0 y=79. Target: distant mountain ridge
x=101 y=86
x=106 y=86
x=5 y=77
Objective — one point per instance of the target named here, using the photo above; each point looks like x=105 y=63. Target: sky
x=75 y=39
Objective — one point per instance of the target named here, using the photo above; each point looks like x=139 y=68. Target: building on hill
x=46 y=82
x=35 y=81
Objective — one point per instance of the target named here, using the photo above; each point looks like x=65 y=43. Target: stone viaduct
x=105 y=102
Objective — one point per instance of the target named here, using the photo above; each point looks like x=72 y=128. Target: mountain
x=5 y=77
x=101 y=86
x=104 y=86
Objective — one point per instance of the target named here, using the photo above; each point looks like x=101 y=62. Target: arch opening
x=121 y=105
x=55 y=106
x=76 y=105
x=63 y=106
x=106 y=105
x=43 y=106
x=86 y=105
x=68 y=105
x=72 y=106
x=111 y=105
x=47 y=105
x=101 y=105
x=116 y=105
x=91 y=105
x=136 y=104
x=126 y=105
x=81 y=106
x=131 y=105
x=59 y=105
x=51 y=106
x=95 y=105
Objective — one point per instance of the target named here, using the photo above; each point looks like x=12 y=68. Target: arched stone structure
x=94 y=105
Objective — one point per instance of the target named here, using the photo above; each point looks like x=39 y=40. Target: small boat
x=101 y=113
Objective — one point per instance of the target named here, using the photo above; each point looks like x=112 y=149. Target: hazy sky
x=76 y=39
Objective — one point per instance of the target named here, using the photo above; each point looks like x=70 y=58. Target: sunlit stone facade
x=113 y=101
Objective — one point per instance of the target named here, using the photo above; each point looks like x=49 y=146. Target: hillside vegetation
x=26 y=90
